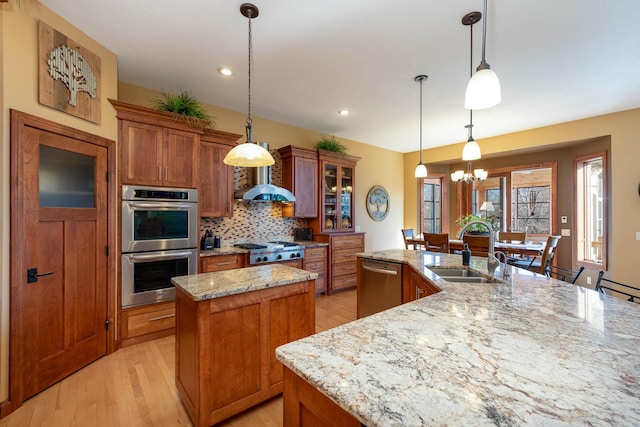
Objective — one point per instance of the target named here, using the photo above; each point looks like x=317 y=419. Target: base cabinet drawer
x=210 y=264
x=344 y=282
x=342 y=268
x=140 y=324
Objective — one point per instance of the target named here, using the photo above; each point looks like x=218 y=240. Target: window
x=591 y=209
x=533 y=210
x=431 y=208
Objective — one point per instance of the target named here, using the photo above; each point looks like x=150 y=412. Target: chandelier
x=478 y=175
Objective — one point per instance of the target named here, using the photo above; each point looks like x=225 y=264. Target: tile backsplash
x=254 y=221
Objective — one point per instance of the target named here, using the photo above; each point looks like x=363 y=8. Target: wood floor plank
x=135 y=386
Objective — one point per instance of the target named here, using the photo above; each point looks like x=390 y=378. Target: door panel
x=64 y=311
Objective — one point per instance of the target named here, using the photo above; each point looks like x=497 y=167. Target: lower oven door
x=146 y=276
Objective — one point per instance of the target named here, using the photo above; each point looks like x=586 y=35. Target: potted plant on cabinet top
x=330 y=143
x=185 y=105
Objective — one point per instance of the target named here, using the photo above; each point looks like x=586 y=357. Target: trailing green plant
x=184 y=105
x=330 y=143
x=464 y=220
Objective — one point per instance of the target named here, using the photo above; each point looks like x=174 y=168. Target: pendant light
x=483 y=89
x=421 y=169
x=249 y=154
x=471 y=150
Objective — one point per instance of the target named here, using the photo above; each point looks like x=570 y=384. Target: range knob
x=292 y=256
x=297 y=254
x=258 y=259
x=279 y=256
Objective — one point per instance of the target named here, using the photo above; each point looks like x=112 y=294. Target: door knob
x=32 y=275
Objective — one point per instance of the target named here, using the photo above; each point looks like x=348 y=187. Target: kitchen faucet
x=492 y=261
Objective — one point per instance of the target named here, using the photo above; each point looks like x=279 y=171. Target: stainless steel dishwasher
x=379 y=287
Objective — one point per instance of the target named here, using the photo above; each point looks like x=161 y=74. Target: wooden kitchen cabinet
x=337 y=184
x=157 y=156
x=315 y=260
x=414 y=286
x=215 y=190
x=155 y=148
x=147 y=322
x=300 y=176
x=213 y=263
x=225 y=347
x=342 y=250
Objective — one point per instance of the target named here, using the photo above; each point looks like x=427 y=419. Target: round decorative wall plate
x=378 y=203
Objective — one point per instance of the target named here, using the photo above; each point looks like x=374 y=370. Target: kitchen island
x=228 y=324
x=529 y=351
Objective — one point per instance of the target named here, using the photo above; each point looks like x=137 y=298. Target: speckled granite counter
x=227 y=250
x=206 y=286
x=531 y=351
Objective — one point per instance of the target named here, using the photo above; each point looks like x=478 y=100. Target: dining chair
x=537 y=264
x=478 y=245
x=408 y=237
x=564 y=274
x=436 y=242
x=608 y=286
x=512 y=236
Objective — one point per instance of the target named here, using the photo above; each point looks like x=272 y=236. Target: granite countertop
x=532 y=350
x=218 y=284
x=227 y=250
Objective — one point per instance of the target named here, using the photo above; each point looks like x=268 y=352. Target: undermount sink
x=461 y=274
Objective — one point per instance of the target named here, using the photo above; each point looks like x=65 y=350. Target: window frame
x=444 y=201
x=578 y=204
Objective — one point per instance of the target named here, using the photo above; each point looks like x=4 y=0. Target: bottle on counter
x=466 y=255
x=217 y=242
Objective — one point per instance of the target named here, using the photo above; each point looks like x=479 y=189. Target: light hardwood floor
x=135 y=386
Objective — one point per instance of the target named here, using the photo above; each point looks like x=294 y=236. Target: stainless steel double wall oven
x=160 y=231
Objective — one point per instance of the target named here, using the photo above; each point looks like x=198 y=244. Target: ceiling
x=557 y=60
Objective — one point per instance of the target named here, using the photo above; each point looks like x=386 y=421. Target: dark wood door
x=63 y=304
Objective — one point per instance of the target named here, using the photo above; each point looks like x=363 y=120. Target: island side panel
x=233 y=339
x=304 y=405
x=187 y=366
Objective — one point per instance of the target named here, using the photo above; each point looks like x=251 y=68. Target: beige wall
x=624 y=221
x=376 y=167
x=19 y=38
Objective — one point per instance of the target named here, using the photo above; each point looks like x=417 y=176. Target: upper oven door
x=155 y=226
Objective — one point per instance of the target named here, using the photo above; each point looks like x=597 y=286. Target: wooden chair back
x=512 y=236
x=547 y=255
x=436 y=242
x=608 y=286
x=478 y=245
x=407 y=234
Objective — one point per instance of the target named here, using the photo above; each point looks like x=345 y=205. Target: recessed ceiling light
x=343 y=112
x=225 y=71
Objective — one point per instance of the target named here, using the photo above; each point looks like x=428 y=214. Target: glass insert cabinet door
x=337 y=199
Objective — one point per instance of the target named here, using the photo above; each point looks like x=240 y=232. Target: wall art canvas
x=69 y=75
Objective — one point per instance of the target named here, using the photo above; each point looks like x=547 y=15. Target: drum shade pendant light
x=249 y=154
x=483 y=89
x=421 y=169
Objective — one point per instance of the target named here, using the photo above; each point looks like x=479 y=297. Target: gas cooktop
x=272 y=251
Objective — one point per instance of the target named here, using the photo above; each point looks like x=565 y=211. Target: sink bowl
x=461 y=274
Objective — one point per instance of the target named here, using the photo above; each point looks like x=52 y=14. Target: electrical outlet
x=566 y=232
x=637 y=235
x=564 y=219
x=588 y=280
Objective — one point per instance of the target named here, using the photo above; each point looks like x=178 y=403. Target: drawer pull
x=225 y=263
x=162 y=317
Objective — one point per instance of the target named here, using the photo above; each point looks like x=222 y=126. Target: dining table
x=509 y=248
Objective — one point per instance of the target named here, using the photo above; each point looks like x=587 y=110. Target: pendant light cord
x=471 y=75
x=484 y=30
x=249 y=127
x=421 y=120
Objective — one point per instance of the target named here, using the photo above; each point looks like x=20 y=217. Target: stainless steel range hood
x=260 y=188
